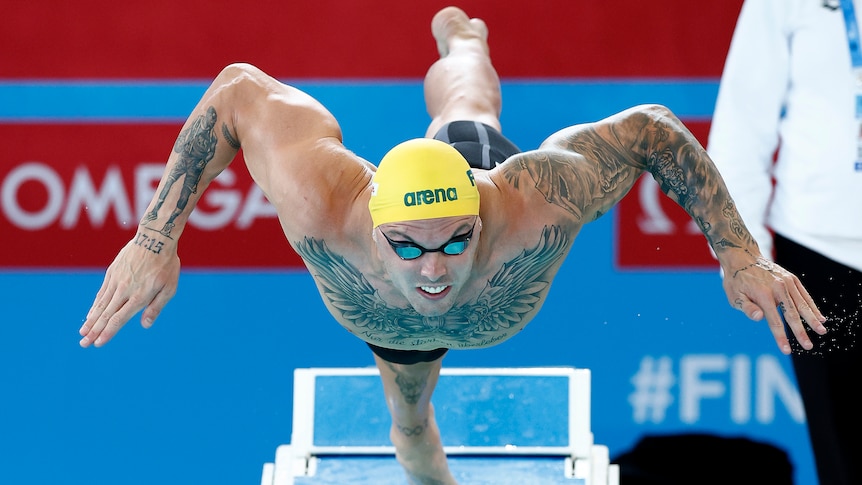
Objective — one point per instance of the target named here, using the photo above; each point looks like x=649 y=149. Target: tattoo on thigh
x=411 y=389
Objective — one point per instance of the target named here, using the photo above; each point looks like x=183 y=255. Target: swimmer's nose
x=433 y=266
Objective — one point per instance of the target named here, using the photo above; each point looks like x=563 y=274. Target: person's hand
x=765 y=289
x=141 y=276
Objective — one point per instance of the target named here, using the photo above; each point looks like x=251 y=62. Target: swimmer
x=453 y=240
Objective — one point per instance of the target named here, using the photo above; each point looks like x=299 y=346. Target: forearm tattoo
x=616 y=153
x=684 y=172
x=195 y=147
x=152 y=244
x=497 y=313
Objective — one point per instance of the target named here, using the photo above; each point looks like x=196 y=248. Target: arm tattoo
x=672 y=160
x=737 y=227
x=195 y=147
x=575 y=187
x=149 y=243
x=233 y=142
x=682 y=168
x=498 y=311
x=666 y=149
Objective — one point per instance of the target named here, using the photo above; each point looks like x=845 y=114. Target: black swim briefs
x=482 y=145
x=407 y=357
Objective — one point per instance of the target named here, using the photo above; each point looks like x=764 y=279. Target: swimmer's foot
x=451 y=25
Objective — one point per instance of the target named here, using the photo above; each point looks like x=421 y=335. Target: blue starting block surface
x=471 y=411
x=498 y=425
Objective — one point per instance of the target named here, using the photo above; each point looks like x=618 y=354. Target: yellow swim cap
x=422 y=179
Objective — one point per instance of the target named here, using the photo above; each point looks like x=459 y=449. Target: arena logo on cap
x=430 y=196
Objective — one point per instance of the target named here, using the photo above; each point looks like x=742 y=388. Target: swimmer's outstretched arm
x=651 y=138
x=243 y=107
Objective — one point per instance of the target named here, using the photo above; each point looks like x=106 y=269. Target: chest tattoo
x=513 y=292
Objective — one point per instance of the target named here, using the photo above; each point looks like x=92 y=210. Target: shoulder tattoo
x=585 y=190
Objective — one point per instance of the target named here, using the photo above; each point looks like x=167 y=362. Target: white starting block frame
x=536 y=416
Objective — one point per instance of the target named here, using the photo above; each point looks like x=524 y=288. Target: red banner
x=165 y=39
x=72 y=195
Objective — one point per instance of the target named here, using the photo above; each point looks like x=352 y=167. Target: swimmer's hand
x=142 y=276
x=762 y=288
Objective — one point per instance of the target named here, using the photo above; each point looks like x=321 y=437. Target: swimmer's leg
x=414 y=431
x=462 y=84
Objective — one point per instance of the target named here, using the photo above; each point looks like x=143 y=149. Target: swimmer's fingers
x=107 y=320
x=99 y=305
x=154 y=308
x=752 y=310
x=761 y=289
x=137 y=279
x=776 y=317
x=807 y=308
x=795 y=308
x=756 y=312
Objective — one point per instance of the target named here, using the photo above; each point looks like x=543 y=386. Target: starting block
x=499 y=426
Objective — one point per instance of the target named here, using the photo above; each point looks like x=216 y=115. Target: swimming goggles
x=408 y=250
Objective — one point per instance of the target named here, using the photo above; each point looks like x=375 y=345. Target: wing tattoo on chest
x=512 y=293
